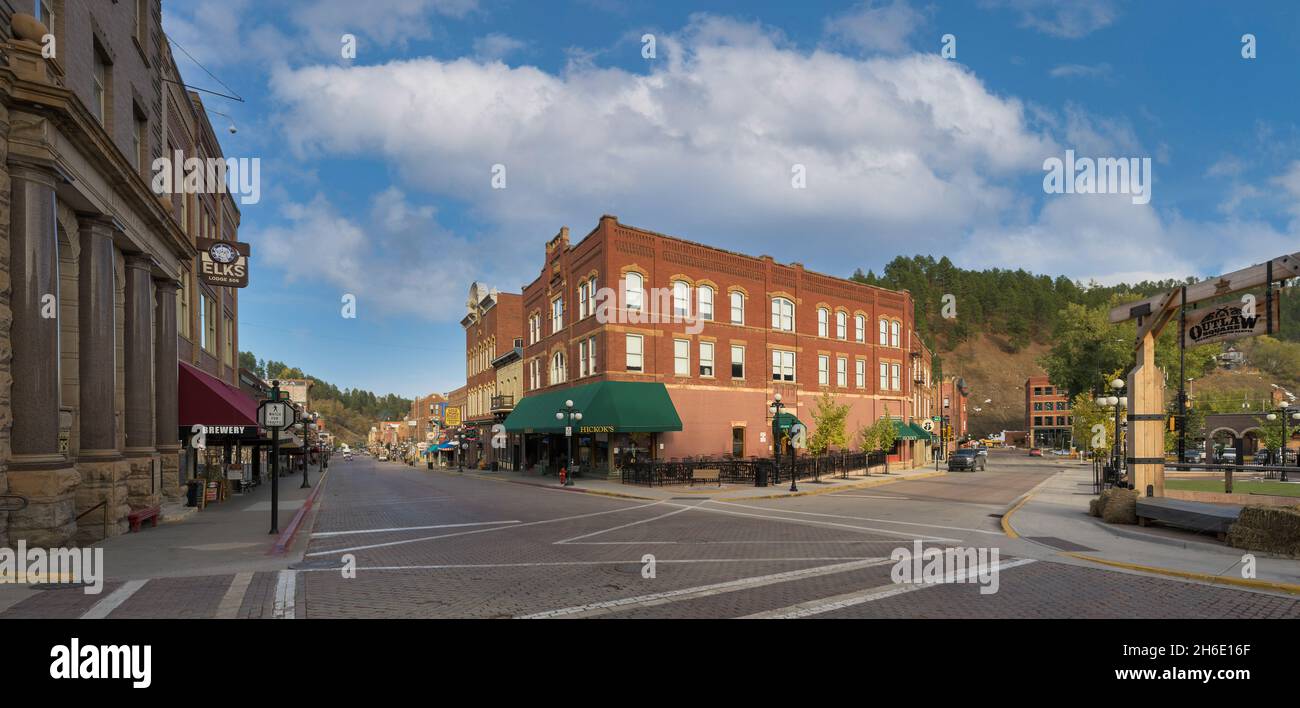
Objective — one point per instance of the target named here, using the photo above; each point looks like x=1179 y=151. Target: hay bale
x=1094 y=507
x=1272 y=529
x=1119 y=506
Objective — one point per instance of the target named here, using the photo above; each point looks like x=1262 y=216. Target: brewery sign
x=223 y=263
x=1220 y=323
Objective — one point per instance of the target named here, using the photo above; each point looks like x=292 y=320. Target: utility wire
x=205 y=70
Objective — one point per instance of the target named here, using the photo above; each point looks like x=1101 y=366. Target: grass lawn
x=1281 y=489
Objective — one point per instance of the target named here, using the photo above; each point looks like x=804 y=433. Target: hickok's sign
x=223 y=263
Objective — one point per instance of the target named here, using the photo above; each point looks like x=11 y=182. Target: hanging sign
x=223 y=263
x=1230 y=321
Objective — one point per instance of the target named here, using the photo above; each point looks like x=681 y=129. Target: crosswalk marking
x=101 y=609
x=234 y=597
x=285 y=588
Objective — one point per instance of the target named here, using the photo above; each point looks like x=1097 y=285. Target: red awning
x=207 y=400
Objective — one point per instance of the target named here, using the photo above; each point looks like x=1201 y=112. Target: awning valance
x=606 y=406
x=909 y=431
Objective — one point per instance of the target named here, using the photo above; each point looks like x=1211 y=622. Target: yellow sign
x=596 y=429
x=452 y=417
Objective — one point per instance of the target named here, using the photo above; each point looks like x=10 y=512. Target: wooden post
x=1145 y=447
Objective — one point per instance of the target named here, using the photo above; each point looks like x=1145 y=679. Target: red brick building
x=1048 y=415
x=722 y=333
x=493 y=325
x=953 y=395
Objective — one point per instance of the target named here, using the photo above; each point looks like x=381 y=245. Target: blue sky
x=376 y=171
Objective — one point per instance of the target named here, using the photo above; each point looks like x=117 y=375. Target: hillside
x=996 y=375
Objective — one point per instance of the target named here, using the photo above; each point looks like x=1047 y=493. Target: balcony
x=503 y=404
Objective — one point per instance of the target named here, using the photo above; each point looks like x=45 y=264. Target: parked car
x=1196 y=456
x=383 y=457
x=967 y=458
x=1228 y=457
x=1270 y=457
x=982 y=450
x=1035 y=452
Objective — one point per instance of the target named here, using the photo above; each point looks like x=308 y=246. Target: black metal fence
x=745 y=470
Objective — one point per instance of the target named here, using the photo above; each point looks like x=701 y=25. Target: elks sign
x=1230 y=321
x=223 y=263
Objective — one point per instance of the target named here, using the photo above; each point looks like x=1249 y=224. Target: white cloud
x=496 y=46
x=876 y=26
x=1070 y=19
x=1086 y=71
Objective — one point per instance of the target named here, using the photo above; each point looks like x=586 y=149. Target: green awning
x=785 y=421
x=920 y=433
x=907 y=431
x=606 y=407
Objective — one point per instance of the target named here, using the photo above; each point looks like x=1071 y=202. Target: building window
x=737 y=307
x=860 y=328
x=737 y=442
x=139 y=140
x=823 y=370
x=706 y=359
x=99 y=87
x=634 y=291
x=634 y=352
x=210 y=325
x=557 y=314
x=1047 y=390
x=591 y=355
x=842 y=325
x=1038 y=421
x=582 y=358
x=558 y=370
x=884 y=332
x=705 y=297
x=183 y=306
x=860 y=374
x=534 y=374
x=228 y=333
x=823 y=322
x=782 y=314
x=737 y=361
x=842 y=372
x=681 y=299
x=1038 y=406
x=895 y=378
x=45 y=11
x=884 y=376
x=141 y=17
x=782 y=365
x=681 y=357
x=582 y=299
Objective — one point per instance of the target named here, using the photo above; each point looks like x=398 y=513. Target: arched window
x=860 y=328
x=681 y=299
x=884 y=331
x=558 y=373
x=782 y=314
x=633 y=291
x=842 y=325
x=737 y=307
x=823 y=322
x=895 y=330
x=705 y=297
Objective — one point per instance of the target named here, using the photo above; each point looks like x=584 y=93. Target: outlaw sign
x=223 y=263
x=1230 y=321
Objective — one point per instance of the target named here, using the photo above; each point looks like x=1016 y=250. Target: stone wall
x=102 y=482
x=6 y=318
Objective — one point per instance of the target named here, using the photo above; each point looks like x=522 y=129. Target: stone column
x=166 y=389
x=99 y=463
x=140 y=450
x=37 y=469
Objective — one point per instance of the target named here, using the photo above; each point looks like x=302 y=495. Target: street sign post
x=275 y=414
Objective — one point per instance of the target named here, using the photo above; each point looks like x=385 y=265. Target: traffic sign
x=927 y=425
x=276 y=414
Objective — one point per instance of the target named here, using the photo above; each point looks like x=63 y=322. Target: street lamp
x=308 y=422
x=775 y=409
x=569 y=415
x=1288 y=414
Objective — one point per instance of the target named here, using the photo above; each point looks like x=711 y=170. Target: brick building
x=104 y=325
x=953 y=395
x=493 y=325
x=1048 y=416
x=676 y=349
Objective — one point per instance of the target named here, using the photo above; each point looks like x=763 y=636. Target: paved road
x=434 y=544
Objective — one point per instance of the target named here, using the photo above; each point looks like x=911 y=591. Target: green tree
x=1086 y=416
x=886 y=433
x=1270 y=432
x=830 y=418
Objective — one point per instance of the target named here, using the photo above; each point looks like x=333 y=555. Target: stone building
x=96 y=268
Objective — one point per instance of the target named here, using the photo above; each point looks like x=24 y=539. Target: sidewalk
x=1056 y=515
x=727 y=492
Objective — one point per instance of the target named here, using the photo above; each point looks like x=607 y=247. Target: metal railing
x=1104 y=475
x=660 y=473
x=103 y=504
x=503 y=403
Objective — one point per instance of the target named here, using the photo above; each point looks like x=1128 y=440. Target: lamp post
x=569 y=415
x=308 y=422
x=1117 y=402
x=1287 y=414
x=775 y=409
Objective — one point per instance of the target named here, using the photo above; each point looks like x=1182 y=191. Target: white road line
x=861 y=518
x=101 y=609
x=839 y=602
x=234 y=597
x=867 y=496
x=600 y=608
x=324 y=534
x=714 y=543
x=556 y=564
x=823 y=523
x=466 y=533
x=616 y=528
x=286 y=586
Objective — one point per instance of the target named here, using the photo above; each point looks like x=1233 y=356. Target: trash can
x=760 y=475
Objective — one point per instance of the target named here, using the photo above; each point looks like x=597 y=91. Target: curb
x=867 y=484
x=556 y=487
x=1006 y=515
x=1252 y=583
x=285 y=539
